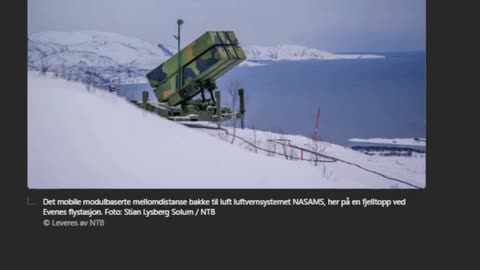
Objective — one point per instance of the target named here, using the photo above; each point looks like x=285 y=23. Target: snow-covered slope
x=124 y=50
x=100 y=57
x=94 y=139
x=95 y=57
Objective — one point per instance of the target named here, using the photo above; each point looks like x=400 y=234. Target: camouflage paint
x=203 y=61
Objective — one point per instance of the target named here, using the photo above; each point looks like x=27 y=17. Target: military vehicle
x=181 y=82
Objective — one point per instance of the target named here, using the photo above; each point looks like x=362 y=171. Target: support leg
x=218 y=104
x=242 y=107
x=144 y=99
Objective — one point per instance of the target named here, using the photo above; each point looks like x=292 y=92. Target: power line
x=286 y=142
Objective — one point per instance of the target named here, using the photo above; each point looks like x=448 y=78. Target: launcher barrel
x=201 y=63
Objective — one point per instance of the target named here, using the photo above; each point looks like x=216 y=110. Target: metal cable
x=288 y=143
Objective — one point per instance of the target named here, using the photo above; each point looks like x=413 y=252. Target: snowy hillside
x=95 y=139
x=295 y=52
x=100 y=58
x=95 y=57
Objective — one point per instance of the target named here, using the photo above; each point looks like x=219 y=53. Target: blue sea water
x=361 y=98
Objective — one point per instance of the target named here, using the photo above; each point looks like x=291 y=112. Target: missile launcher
x=181 y=83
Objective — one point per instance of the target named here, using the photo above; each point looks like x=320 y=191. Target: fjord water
x=362 y=98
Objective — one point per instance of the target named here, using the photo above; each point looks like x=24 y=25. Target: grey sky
x=333 y=25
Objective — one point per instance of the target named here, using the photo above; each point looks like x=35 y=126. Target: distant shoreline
x=418 y=142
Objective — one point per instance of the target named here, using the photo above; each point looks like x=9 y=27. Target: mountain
x=102 y=58
x=296 y=52
x=80 y=138
x=95 y=57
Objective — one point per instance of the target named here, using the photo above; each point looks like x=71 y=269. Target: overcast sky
x=333 y=25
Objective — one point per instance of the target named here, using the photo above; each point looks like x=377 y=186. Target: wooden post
x=242 y=106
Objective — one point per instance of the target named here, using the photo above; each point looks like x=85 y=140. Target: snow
x=95 y=139
x=251 y=64
x=120 y=49
x=296 y=52
x=409 y=169
x=102 y=58
x=95 y=57
x=395 y=141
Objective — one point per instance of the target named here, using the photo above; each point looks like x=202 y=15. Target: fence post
x=242 y=106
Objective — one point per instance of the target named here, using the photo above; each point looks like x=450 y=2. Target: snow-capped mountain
x=95 y=57
x=296 y=52
x=101 y=57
